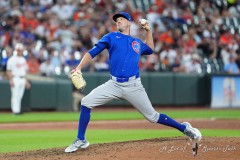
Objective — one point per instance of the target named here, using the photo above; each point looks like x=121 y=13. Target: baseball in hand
x=142 y=21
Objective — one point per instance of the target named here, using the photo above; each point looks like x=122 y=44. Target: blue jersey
x=124 y=53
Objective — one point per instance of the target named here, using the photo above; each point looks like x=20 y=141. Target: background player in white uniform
x=125 y=83
x=17 y=69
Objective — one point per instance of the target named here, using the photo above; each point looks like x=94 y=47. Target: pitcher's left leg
x=137 y=96
x=135 y=93
x=139 y=99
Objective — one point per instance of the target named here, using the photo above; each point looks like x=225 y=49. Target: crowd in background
x=190 y=36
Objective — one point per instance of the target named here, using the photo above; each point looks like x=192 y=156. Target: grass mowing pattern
x=23 y=140
x=74 y=116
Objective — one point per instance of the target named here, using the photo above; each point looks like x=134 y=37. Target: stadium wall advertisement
x=225 y=91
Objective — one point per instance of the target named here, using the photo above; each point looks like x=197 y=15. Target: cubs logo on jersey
x=136 y=46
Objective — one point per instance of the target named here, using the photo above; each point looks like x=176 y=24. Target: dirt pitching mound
x=153 y=149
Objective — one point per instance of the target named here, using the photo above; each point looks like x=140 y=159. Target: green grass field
x=23 y=140
x=15 y=141
x=73 y=116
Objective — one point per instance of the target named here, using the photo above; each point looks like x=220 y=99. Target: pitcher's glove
x=77 y=79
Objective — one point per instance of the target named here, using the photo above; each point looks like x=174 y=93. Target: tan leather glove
x=77 y=79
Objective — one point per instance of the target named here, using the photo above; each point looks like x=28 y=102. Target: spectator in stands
x=231 y=67
x=177 y=66
x=155 y=19
x=186 y=55
x=207 y=45
x=68 y=26
x=6 y=54
x=55 y=58
x=72 y=62
x=101 y=63
x=63 y=10
x=66 y=36
x=27 y=36
x=46 y=68
x=225 y=53
x=33 y=64
x=193 y=66
x=188 y=46
x=168 y=54
x=152 y=63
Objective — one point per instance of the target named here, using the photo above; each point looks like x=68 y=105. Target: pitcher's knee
x=85 y=101
x=153 y=118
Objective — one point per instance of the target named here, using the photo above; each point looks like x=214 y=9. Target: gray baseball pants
x=132 y=91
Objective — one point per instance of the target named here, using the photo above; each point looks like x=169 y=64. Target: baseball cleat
x=195 y=148
x=192 y=133
x=77 y=143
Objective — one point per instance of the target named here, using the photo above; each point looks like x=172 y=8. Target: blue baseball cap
x=124 y=15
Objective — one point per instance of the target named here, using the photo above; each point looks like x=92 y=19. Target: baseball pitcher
x=125 y=83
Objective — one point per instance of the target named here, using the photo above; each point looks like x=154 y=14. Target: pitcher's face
x=122 y=24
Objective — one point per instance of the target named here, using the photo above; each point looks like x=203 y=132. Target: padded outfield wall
x=168 y=89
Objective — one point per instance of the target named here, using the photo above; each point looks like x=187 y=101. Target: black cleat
x=195 y=148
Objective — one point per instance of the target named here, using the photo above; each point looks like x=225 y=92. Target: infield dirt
x=176 y=148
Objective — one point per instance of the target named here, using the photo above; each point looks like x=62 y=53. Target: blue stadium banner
x=225 y=91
